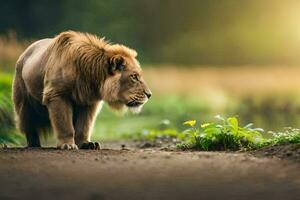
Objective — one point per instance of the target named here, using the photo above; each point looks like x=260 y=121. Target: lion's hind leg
x=25 y=114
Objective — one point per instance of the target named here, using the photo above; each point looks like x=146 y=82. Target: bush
x=225 y=135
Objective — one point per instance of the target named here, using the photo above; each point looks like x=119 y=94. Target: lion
x=61 y=83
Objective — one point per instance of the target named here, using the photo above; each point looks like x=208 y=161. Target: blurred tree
x=170 y=31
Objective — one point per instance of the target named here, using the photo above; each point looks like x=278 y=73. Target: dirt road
x=144 y=174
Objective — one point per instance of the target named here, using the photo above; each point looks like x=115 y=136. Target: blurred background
x=200 y=57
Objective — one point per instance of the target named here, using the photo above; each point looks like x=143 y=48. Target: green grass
x=8 y=133
x=111 y=125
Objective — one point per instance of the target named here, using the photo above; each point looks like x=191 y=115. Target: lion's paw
x=66 y=146
x=91 y=145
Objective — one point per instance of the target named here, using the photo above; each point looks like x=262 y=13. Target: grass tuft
x=225 y=134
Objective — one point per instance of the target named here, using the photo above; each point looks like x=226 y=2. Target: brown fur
x=63 y=80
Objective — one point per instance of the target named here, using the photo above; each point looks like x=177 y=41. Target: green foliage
x=288 y=136
x=223 y=135
x=8 y=134
x=5 y=83
x=6 y=111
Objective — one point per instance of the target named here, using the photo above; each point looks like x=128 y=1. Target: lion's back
x=32 y=66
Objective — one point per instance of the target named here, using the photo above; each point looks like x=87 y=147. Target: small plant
x=225 y=135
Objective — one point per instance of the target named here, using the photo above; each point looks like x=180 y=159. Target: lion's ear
x=116 y=64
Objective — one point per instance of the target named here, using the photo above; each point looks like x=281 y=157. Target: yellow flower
x=190 y=123
x=205 y=125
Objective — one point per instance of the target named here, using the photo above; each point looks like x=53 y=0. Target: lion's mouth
x=134 y=104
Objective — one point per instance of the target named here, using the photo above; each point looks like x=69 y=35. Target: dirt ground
x=116 y=173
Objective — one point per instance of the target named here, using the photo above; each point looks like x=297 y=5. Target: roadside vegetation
x=223 y=134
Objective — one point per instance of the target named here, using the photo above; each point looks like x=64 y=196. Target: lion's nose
x=148 y=94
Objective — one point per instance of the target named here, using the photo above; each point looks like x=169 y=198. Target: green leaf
x=258 y=129
x=248 y=125
x=233 y=122
x=212 y=130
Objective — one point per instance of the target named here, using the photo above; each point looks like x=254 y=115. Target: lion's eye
x=121 y=67
x=134 y=77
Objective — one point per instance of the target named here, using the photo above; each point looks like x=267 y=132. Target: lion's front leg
x=84 y=123
x=61 y=117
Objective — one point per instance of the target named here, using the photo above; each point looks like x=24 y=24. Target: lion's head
x=124 y=85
